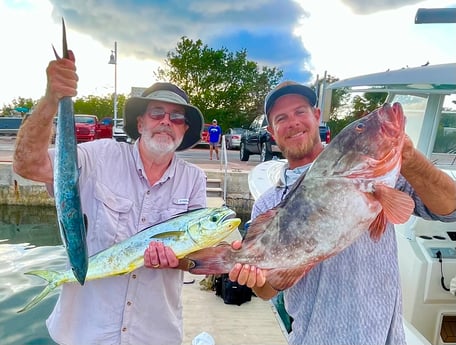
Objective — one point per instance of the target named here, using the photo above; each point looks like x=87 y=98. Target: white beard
x=160 y=146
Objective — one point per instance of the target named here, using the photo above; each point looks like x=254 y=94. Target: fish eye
x=214 y=219
x=360 y=127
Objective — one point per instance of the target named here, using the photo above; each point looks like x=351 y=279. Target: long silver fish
x=348 y=190
x=184 y=233
x=71 y=220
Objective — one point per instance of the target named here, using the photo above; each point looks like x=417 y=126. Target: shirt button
x=134 y=276
x=148 y=192
x=128 y=303
x=124 y=329
x=143 y=219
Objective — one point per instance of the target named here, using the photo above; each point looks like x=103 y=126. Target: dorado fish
x=184 y=233
x=72 y=223
x=349 y=189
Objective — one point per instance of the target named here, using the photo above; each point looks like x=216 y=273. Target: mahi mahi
x=71 y=220
x=184 y=234
x=348 y=190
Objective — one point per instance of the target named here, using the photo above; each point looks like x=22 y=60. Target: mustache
x=163 y=129
x=292 y=133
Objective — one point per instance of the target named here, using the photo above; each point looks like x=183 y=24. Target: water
x=29 y=240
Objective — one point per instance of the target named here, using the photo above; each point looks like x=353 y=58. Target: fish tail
x=213 y=260
x=53 y=278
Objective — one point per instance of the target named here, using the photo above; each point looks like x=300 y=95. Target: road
x=200 y=157
x=197 y=155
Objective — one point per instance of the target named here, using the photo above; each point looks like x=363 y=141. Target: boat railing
x=224 y=166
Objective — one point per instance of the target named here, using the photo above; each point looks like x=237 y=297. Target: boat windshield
x=444 y=145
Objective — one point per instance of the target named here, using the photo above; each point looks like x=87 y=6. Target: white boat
x=428 y=97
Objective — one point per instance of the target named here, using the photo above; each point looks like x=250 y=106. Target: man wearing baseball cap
x=124 y=189
x=355 y=296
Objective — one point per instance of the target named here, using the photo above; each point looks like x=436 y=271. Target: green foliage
x=337 y=124
x=99 y=106
x=363 y=105
x=360 y=106
x=10 y=109
x=444 y=143
x=223 y=85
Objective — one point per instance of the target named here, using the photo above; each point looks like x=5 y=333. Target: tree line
x=224 y=85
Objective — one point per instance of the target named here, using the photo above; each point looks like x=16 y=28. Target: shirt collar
x=169 y=173
x=289 y=176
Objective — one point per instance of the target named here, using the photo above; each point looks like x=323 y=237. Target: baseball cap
x=286 y=88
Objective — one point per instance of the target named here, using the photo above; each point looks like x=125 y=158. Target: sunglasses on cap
x=159 y=114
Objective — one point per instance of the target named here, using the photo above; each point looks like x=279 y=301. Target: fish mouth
x=392 y=120
x=227 y=214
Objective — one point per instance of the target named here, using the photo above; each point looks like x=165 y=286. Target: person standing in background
x=215 y=135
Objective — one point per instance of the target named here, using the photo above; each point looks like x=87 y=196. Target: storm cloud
x=150 y=29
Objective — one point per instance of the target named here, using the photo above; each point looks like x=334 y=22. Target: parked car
x=233 y=138
x=89 y=128
x=256 y=140
x=118 y=132
x=205 y=134
x=325 y=134
x=10 y=125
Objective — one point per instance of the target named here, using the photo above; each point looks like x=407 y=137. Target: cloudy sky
x=304 y=38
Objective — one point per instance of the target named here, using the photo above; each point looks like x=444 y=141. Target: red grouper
x=349 y=189
x=72 y=223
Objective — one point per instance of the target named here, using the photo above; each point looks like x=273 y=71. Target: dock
x=252 y=323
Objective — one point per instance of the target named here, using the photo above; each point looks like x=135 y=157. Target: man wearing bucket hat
x=124 y=188
x=354 y=297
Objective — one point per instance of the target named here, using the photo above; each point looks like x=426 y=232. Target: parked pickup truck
x=10 y=125
x=256 y=140
x=89 y=128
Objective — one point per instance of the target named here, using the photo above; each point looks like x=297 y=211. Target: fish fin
x=210 y=260
x=167 y=234
x=378 y=226
x=86 y=224
x=54 y=280
x=63 y=234
x=398 y=206
x=281 y=279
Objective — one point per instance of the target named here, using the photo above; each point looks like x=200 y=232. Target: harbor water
x=29 y=240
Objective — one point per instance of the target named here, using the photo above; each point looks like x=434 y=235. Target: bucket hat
x=169 y=93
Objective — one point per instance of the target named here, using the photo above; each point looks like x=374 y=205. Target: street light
x=113 y=61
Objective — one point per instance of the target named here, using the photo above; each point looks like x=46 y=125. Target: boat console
x=427 y=262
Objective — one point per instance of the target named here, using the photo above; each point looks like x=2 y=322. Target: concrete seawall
x=15 y=190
